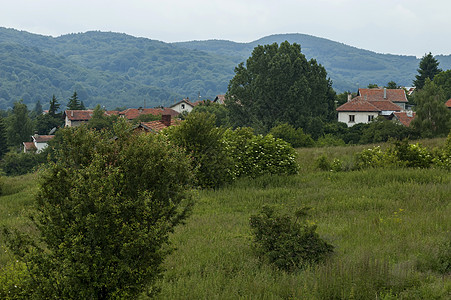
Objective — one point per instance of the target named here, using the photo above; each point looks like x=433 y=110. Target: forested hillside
x=116 y=69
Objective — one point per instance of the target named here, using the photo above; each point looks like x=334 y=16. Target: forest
x=114 y=69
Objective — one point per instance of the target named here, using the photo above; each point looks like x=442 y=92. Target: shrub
x=401 y=153
x=296 y=137
x=372 y=157
x=323 y=163
x=287 y=243
x=15 y=164
x=202 y=140
x=103 y=214
x=255 y=155
x=328 y=140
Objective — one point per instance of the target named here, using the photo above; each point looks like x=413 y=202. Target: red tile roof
x=448 y=103
x=29 y=146
x=404 y=118
x=42 y=138
x=157 y=126
x=377 y=94
x=79 y=115
x=133 y=113
x=358 y=104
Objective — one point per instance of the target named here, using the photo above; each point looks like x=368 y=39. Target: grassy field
x=387 y=226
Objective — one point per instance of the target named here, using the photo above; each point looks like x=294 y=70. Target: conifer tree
x=74 y=102
x=428 y=68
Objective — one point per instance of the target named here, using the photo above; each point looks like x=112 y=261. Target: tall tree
x=74 y=102
x=392 y=85
x=99 y=120
x=278 y=85
x=428 y=68
x=54 y=106
x=37 y=110
x=443 y=80
x=432 y=116
x=20 y=126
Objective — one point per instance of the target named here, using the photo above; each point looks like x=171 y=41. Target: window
x=370 y=118
x=351 y=119
x=183 y=106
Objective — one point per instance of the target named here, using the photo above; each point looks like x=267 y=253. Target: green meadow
x=388 y=227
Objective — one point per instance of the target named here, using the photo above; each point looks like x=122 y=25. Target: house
x=184 y=105
x=73 y=118
x=38 y=144
x=371 y=103
x=77 y=117
x=156 y=126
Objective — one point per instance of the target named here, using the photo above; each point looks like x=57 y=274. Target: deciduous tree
x=432 y=116
x=20 y=126
x=278 y=85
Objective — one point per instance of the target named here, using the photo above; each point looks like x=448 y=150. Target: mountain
x=117 y=70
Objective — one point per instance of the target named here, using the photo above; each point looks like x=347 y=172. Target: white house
x=371 y=103
x=182 y=106
x=38 y=144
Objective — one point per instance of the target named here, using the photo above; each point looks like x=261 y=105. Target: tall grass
x=381 y=222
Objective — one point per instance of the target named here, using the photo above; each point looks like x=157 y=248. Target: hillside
x=116 y=69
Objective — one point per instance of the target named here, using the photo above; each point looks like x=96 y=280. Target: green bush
x=323 y=163
x=202 y=140
x=255 y=155
x=370 y=158
x=403 y=154
x=329 y=140
x=288 y=243
x=14 y=164
x=296 y=137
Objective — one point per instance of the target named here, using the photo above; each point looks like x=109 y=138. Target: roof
x=133 y=113
x=377 y=94
x=448 y=103
x=29 y=146
x=156 y=126
x=359 y=104
x=129 y=114
x=79 y=115
x=42 y=138
x=404 y=117
x=186 y=101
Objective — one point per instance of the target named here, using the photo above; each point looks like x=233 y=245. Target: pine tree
x=428 y=68
x=54 y=106
x=74 y=102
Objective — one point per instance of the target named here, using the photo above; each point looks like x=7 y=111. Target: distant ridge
x=117 y=70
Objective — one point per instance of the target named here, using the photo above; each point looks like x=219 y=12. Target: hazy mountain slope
x=116 y=69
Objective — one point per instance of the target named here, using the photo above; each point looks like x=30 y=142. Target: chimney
x=385 y=93
x=166 y=120
x=349 y=97
x=71 y=113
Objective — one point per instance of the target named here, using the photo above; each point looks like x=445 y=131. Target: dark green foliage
x=287 y=242
x=257 y=155
x=433 y=118
x=428 y=68
x=103 y=214
x=99 y=120
x=14 y=164
x=20 y=126
x=443 y=81
x=382 y=130
x=3 y=137
x=202 y=140
x=74 y=103
x=278 y=85
x=220 y=111
x=296 y=137
x=392 y=85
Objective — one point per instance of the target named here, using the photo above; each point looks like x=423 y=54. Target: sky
x=406 y=27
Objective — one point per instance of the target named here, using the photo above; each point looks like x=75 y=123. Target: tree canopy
x=432 y=116
x=428 y=68
x=278 y=85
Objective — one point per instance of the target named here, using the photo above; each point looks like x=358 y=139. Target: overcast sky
x=409 y=27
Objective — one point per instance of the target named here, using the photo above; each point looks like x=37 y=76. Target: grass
x=382 y=222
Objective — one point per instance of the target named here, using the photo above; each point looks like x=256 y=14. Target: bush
x=403 y=154
x=296 y=137
x=103 y=214
x=15 y=164
x=255 y=155
x=202 y=140
x=287 y=243
x=329 y=140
